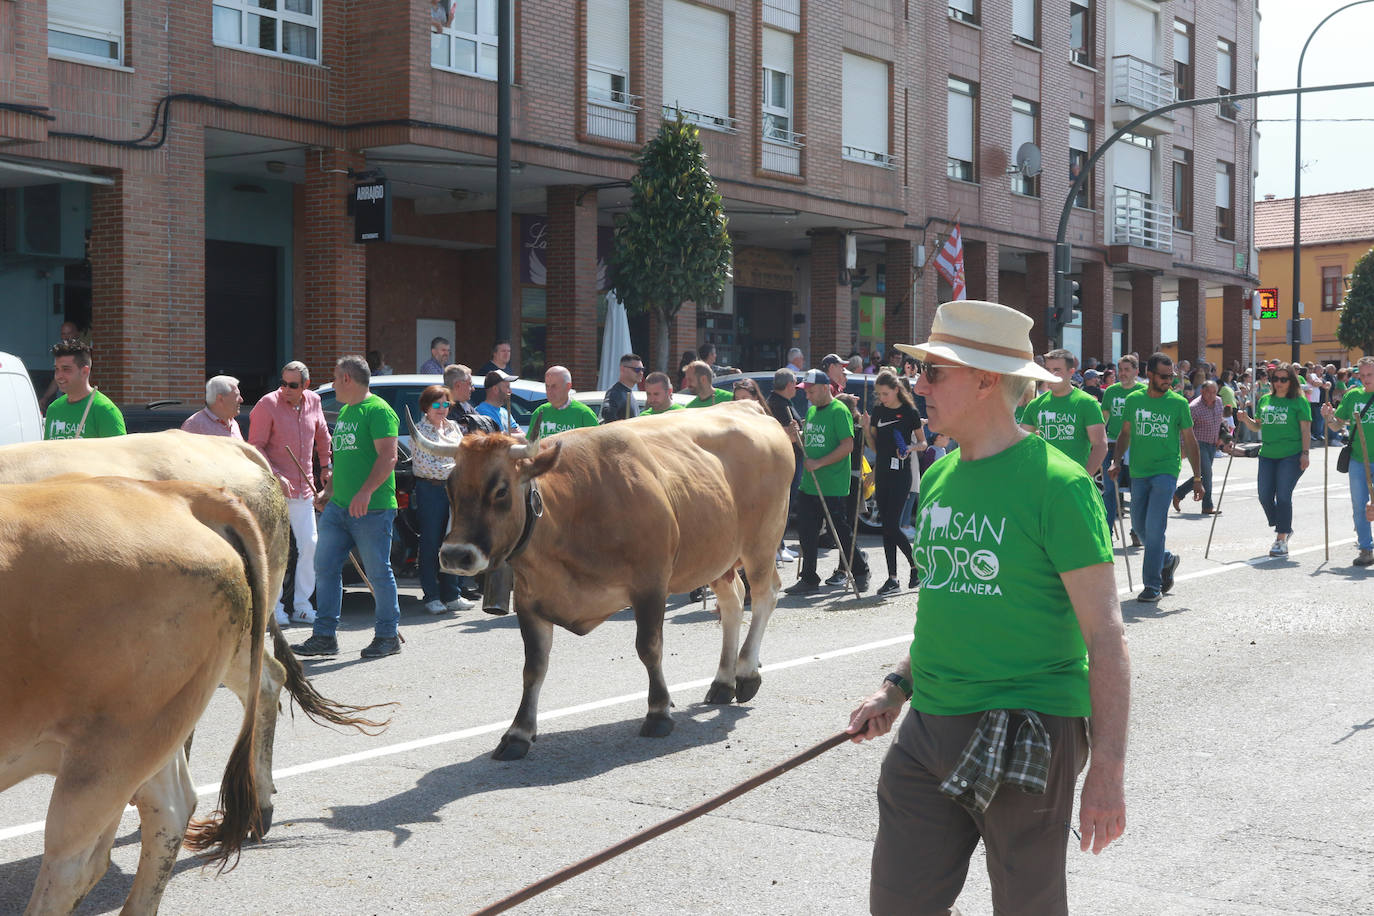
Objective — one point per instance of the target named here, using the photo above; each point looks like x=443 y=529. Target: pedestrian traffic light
x=1075 y=288
x=1065 y=308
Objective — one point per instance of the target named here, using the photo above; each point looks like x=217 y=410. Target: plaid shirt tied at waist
x=986 y=764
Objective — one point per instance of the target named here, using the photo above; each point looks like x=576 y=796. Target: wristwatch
x=902 y=683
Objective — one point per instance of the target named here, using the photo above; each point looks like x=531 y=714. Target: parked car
x=20 y=420
x=402 y=392
x=155 y=416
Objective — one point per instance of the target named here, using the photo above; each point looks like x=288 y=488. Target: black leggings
x=891 y=490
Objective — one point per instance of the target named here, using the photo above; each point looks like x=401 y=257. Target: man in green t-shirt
x=1066 y=417
x=1018 y=637
x=827 y=439
x=359 y=513
x=560 y=413
x=1358 y=401
x=1156 y=424
x=80 y=412
x=699 y=379
x=658 y=395
x=1113 y=403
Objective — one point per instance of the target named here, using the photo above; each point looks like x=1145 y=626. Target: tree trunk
x=662 y=356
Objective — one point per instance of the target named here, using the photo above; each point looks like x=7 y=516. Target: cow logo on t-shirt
x=956 y=550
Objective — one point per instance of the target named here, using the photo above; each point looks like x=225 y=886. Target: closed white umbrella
x=615 y=342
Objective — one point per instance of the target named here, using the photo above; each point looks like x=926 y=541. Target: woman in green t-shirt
x=1284 y=425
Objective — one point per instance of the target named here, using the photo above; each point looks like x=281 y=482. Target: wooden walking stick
x=1326 y=478
x=1216 y=510
x=859 y=494
x=1121 y=527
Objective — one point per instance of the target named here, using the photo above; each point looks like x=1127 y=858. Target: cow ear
x=541 y=463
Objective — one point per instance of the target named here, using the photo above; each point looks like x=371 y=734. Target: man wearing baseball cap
x=1018 y=644
x=833 y=367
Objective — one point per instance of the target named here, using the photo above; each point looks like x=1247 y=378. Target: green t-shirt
x=355 y=451
x=548 y=420
x=1356 y=399
x=62 y=419
x=1228 y=397
x=1157 y=425
x=718 y=396
x=1280 y=434
x=825 y=428
x=994 y=627
x=1113 y=403
x=649 y=411
x=1063 y=422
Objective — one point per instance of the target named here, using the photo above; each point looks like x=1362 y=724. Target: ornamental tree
x=671 y=247
x=1356 y=327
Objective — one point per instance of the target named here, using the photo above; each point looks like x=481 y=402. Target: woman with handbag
x=1355 y=406
x=1285 y=428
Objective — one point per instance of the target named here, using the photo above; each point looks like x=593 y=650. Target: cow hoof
x=746 y=687
x=511 y=748
x=660 y=726
x=720 y=694
x=265 y=816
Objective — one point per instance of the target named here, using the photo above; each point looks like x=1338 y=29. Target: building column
x=980 y=270
x=1192 y=321
x=147 y=253
x=1144 y=313
x=334 y=299
x=571 y=289
x=1039 y=293
x=899 y=323
x=831 y=321
x=1233 y=328
x=1095 y=298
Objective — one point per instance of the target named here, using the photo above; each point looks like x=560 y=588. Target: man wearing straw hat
x=1018 y=641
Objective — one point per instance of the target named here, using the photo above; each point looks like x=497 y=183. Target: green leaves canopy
x=1356 y=327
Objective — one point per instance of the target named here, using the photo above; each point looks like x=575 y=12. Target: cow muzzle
x=462 y=559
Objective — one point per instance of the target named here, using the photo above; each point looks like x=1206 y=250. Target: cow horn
x=432 y=446
x=526 y=450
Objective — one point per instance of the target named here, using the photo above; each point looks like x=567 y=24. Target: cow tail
x=318 y=707
x=224 y=831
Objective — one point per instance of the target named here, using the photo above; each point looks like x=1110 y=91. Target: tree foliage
x=671 y=247
x=1356 y=327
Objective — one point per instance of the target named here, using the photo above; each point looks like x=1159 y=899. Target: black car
x=155 y=416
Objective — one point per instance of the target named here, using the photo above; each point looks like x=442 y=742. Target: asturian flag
x=950 y=262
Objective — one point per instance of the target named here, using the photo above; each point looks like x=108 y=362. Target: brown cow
x=241 y=468
x=631 y=513
x=122 y=605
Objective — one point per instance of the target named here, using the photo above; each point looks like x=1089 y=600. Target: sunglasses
x=441 y=405
x=1280 y=378
x=292 y=385
x=637 y=370
x=1168 y=376
x=931 y=372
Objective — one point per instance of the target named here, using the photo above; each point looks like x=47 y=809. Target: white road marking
x=1235 y=564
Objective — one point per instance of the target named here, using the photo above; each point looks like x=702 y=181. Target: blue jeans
x=1207 y=454
x=431 y=505
x=1359 y=498
x=1277 y=478
x=371 y=535
x=1150 y=498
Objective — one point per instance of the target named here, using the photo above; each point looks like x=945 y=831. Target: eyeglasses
x=1166 y=376
x=637 y=370
x=441 y=405
x=292 y=385
x=1280 y=378
x=931 y=371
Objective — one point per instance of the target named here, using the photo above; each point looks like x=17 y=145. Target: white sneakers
x=303 y=615
x=1280 y=548
x=282 y=619
x=435 y=606
x=460 y=604
x=786 y=556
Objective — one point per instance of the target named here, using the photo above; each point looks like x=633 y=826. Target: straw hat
x=983 y=335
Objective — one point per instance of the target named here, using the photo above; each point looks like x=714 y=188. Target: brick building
x=176 y=175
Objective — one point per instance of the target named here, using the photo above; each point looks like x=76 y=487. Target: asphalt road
x=1248 y=789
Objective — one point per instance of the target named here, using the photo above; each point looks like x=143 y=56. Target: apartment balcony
x=703 y=119
x=1141 y=230
x=613 y=115
x=781 y=151
x=1139 y=86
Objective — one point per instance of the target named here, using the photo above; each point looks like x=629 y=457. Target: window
x=1226 y=76
x=92 y=30
x=610 y=106
x=1081 y=32
x=696 y=65
x=1226 y=211
x=287 y=27
x=865 y=106
x=1333 y=288
x=1080 y=147
x=777 y=86
x=470 y=44
x=1025 y=17
x=1183 y=189
x=784 y=14
x=961 y=128
x=1183 y=59
x=1025 y=128
x=964 y=10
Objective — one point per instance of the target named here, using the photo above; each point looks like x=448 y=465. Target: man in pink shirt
x=287 y=422
x=219 y=416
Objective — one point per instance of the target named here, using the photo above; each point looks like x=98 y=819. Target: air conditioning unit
x=43 y=221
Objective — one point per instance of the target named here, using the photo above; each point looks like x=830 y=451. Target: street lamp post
x=1297 y=184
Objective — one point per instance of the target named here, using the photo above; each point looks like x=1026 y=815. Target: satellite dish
x=1028 y=159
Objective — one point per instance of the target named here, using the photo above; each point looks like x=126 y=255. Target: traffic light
x=1075 y=288
x=1065 y=309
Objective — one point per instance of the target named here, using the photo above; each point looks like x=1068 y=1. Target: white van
x=19 y=417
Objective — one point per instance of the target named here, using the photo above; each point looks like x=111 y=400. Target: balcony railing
x=781 y=151
x=703 y=119
x=1141 y=84
x=612 y=115
x=872 y=157
x=1138 y=220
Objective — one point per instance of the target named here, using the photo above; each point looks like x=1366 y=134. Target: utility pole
x=505 y=44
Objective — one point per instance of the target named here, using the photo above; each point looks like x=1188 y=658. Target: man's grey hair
x=1210 y=383
x=782 y=378
x=220 y=384
x=562 y=372
x=438 y=342
x=795 y=351
x=297 y=366
x=356 y=368
x=856 y=364
x=455 y=373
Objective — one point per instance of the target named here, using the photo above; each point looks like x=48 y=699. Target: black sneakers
x=888 y=587
x=381 y=646
x=915 y=580
x=317 y=645
x=837 y=578
x=802 y=587
x=1150 y=595
x=1166 y=575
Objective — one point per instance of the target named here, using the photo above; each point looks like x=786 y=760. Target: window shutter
x=777 y=51
x=1078 y=136
x=696 y=58
x=785 y=14
x=1135 y=31
x=608 y=34
x=1022 y=130
x=1183 y=47
x=1023 y=19
x=963 y=6
x=960 y=126
x=864 y=100
x=101 y=16
x=1223 y=187
x=1224 y=68
x=1132 y=168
